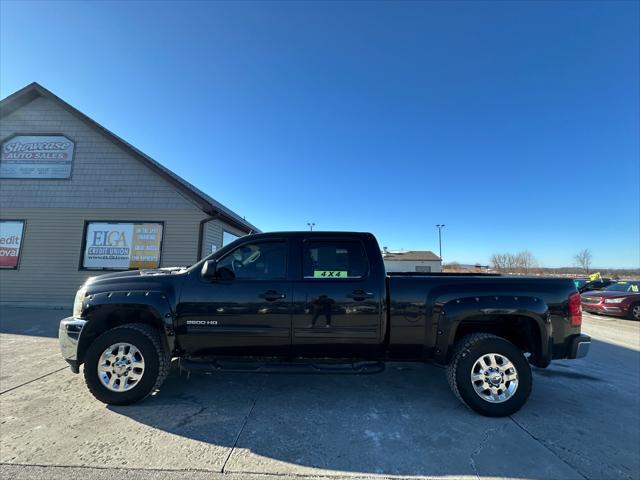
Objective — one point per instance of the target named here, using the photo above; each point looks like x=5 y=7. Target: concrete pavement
x=581 y=421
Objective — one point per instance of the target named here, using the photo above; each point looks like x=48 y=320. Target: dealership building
x=77 y=201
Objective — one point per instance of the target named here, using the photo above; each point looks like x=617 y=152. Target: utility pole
x=311 y=225
x=440 y=227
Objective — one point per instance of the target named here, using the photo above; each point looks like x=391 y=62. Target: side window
x=257 y=261
x=333 y=259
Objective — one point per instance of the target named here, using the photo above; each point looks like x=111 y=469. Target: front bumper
x=579 y=346
x=604 y=309
x=69 y=335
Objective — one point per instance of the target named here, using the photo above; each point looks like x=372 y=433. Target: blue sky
x=514 y=123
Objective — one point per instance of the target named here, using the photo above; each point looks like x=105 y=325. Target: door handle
x=359 y=295
x=272 y=295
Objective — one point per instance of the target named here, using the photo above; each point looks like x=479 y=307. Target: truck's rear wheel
x=489 y=374
x=126 y=363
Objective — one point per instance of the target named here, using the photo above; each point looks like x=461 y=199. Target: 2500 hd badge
x=320 y=301
x=202 y=322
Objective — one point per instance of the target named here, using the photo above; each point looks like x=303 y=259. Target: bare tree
x=526 y=261
x=499 y=261
x=583 y=259
x=521 y=262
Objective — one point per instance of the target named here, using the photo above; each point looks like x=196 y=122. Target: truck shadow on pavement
x=405 y=421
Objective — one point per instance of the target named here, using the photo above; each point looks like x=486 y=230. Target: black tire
x=466 y=352
x=634 y=311
x=157 y=361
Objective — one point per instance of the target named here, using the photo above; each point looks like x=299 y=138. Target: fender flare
x=455 y=311
x=100 y=308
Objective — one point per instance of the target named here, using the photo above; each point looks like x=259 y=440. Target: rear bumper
x=69 y=335
x=579 y=346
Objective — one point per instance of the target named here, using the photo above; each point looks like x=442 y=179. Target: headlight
x=614 y=300
x=77 y=303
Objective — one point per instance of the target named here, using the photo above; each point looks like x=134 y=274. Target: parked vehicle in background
x=621 y=299
x=586 y=285
x=320 y=302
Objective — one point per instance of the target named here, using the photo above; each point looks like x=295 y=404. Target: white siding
x=103 y=174
x=410 y=265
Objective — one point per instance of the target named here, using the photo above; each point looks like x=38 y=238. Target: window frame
x=334 y=240
x=81 y=266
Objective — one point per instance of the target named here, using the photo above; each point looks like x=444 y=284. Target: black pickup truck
x=319 y=301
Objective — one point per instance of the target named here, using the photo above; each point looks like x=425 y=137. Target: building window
x=11 y=233
x=423 y=268
x=228 y=237
x=122 y=245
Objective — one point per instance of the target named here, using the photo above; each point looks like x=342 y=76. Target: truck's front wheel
x=489 y=374
x=125 y=364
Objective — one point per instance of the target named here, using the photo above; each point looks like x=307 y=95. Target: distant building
x=412 y=261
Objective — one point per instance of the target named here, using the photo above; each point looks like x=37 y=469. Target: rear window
x=330 y=259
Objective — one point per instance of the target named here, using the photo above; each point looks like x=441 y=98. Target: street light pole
x=311 y=225
x=440 y=227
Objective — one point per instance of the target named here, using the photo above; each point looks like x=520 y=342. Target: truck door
x=246 y=310
x=337 y=302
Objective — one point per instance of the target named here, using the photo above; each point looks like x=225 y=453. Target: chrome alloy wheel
x=121 y=367
x=636 y=312
x=494 y=378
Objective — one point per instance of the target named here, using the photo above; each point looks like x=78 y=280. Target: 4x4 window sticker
x=331 y=274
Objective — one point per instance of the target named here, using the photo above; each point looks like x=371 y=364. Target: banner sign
x=122 y=246
x=10 y=242
x=594 y=277
x=36 y=156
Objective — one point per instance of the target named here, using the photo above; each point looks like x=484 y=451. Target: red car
x=620 y=298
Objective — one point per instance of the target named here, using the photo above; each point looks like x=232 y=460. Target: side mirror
x=209 y=269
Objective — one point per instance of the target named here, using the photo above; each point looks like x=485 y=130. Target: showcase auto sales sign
x=36 y=156
x=10 y=243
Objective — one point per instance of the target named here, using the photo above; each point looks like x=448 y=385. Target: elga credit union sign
x=120 y=246
x=10 y=243
x=36 y=156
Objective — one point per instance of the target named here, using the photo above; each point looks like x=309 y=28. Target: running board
x=266 y=366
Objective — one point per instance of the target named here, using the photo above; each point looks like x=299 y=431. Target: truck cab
x=291 y=295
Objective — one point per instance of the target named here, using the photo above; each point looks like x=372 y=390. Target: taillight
x=575 y=309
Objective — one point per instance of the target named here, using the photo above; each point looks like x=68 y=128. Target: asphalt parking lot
x=582 y=420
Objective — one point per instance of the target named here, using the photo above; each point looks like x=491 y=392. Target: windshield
x=633 y=287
